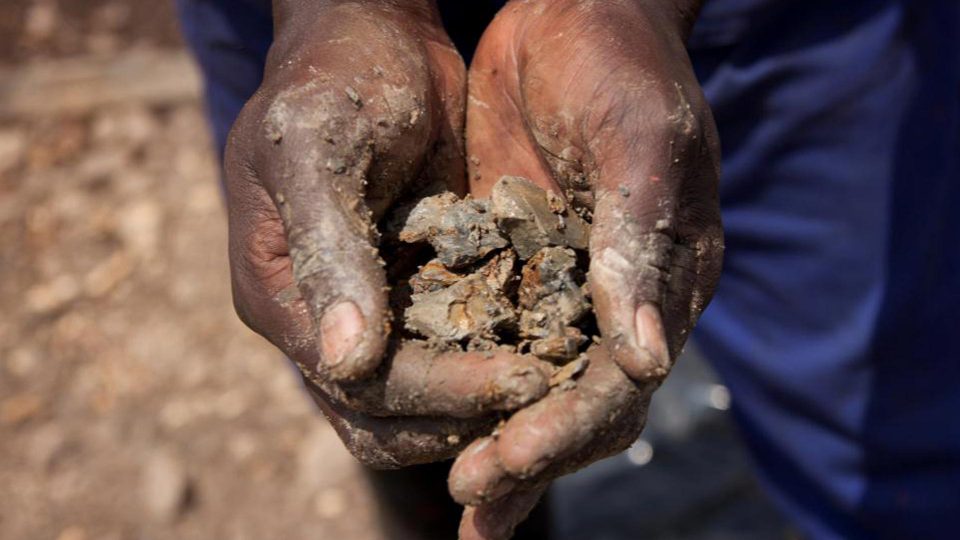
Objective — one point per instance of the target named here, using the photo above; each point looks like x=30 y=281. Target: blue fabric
x=835 y=323
x=230 y=39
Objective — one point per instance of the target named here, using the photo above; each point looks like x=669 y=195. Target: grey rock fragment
x=534 y=220
x=550 y=298
x=469 y=308
x=461 y=231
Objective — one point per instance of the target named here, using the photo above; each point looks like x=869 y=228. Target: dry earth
x=133 y=403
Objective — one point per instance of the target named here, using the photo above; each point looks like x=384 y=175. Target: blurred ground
x=133 y=403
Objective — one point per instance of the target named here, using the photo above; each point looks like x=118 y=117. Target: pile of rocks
x=508 y=272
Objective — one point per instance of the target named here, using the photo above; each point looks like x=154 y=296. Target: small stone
x=22 y=362
x=354 y=97
x=13 y=145
x=624 y=190
x=331 y=503
x=108 y=274
x=165 y=486
x=49 y=297
x=559 y=348
x=533 y=220
x=556 y=203
x=337 y=165
x=433 y=276
x=19 y=408
x=140 y=227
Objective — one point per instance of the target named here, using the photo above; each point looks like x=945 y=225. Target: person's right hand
x=361 y=103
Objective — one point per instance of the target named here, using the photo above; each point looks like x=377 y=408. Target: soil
x=133 y=402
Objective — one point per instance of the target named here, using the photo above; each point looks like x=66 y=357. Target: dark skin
x=596 y=97
x=364 y=101
x=361 y=103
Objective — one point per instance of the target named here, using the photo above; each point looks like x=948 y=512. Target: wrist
x=682 y=14
x=297 y=23
x=291 y=14
x=670 y=17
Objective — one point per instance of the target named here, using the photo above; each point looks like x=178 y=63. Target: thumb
x=656 y=243
x=631 y=250
x=497 y=520
x=338 y=272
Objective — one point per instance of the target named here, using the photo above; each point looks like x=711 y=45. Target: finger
x=461 y=384
x=598 y=417
x=420 y=381
x=391 y=443
x=318 y=178
x=477 y=476
x=447 y=166
x=656 y=225
x=498 y=520
x=560 y=425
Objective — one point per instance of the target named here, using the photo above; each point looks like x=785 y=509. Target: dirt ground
x=133 y=403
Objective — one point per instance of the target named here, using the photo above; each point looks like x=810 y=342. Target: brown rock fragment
x=559 y=348
x=433 y=276
x=534 y=220
x=550 y=297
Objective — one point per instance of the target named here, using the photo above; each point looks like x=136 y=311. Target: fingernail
x=650 y=335
x=341 y=328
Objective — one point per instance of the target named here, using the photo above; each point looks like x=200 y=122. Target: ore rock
x=559 y=348
x=534 y=219
x=467 y=309
x=461 y=231
x=550 y=298
x=433 y=276
x=499 y=270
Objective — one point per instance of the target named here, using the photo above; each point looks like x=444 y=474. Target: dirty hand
x=597 y=101
x=362 y=101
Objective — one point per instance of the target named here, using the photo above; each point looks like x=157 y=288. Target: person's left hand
x=597 y=102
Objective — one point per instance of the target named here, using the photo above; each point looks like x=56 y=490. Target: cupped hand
x=598 y=102
x=362 y=103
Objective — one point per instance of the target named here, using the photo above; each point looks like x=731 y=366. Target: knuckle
x=376 y=455
x=668 y=112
